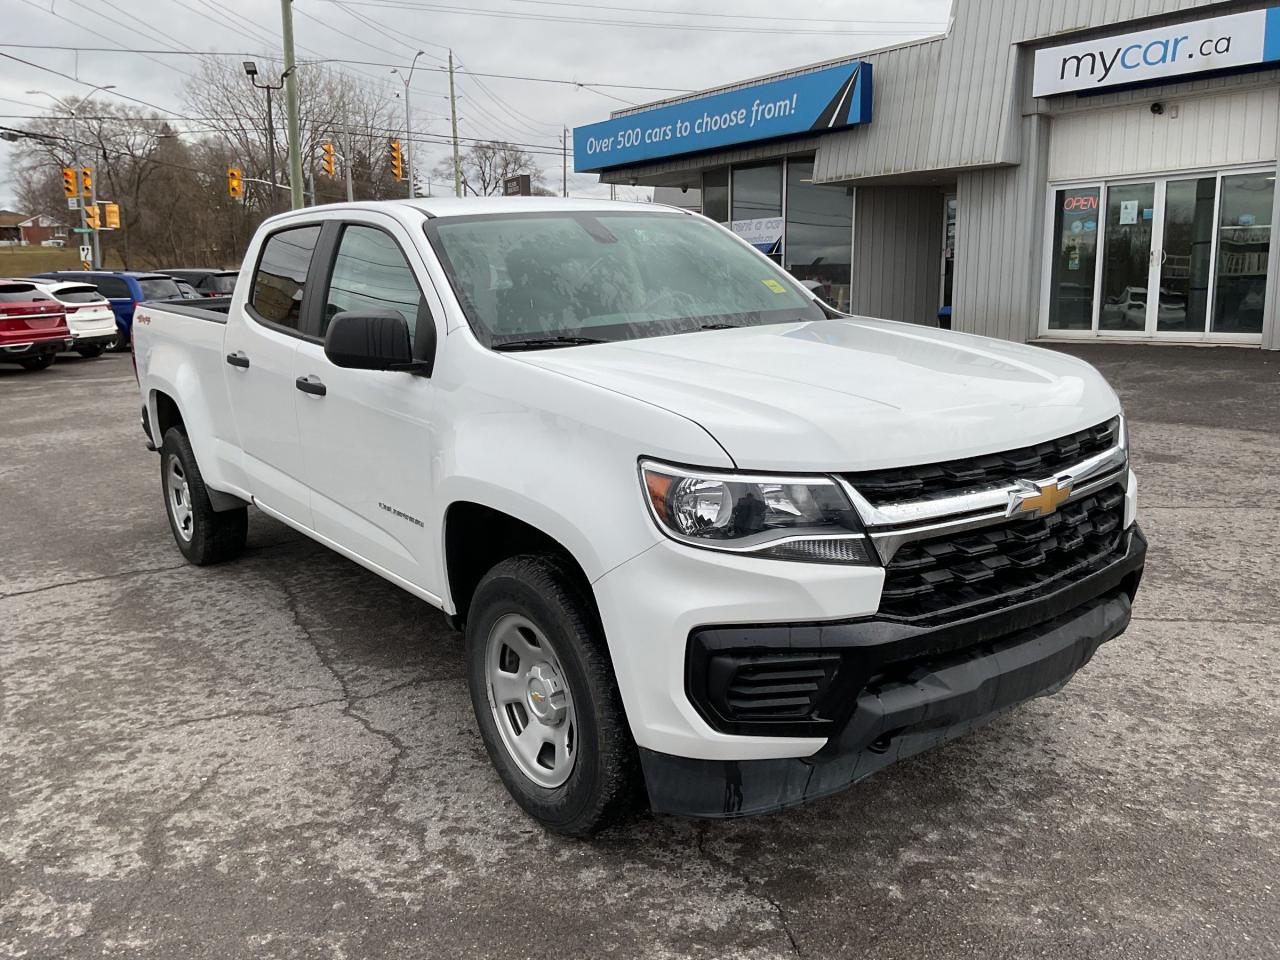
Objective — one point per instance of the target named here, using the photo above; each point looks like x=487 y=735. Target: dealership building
x=1066 y=169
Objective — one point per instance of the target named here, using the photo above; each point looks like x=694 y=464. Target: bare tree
x=485 y=165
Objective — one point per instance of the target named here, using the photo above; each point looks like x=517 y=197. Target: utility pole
x=564 y=161
x=291 y=100
x=453 y=109
x=408 y=130
x=346 y=164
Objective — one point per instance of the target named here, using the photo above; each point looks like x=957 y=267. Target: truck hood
x=851 y=393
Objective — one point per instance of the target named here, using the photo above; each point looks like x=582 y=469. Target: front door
x=259 y=376
x=370 y=437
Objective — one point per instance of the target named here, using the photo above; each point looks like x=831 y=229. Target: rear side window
x=113 y=287
x=159 y=288
x=84 y=294
x=371 y=273
x=281 y=277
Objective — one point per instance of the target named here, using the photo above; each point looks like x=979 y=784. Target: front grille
x=935 y=480
x=963 y=574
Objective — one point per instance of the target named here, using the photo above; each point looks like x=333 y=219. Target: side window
x=370 y=272
x=113 y=288
x=281 y=276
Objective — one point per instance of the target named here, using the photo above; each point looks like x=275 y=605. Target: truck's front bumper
x=912 y=688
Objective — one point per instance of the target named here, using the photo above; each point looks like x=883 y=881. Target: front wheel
x=42 y=362
x=204 y=535
x=545 y=698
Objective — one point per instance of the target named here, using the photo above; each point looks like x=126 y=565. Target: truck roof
x=471 y=206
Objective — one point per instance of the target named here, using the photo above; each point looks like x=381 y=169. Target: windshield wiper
x=545 y=343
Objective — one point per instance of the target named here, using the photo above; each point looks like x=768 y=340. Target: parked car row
x=89 y=311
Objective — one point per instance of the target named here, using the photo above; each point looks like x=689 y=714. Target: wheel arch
x=477 y=537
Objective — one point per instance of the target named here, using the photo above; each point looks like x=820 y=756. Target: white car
x=713 y=545
x=89 y=314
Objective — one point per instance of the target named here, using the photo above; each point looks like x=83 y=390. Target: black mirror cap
x=369 y=340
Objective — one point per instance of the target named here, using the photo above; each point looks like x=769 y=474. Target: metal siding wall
x=897 y=253
x=1213 y=131
x=999 y=239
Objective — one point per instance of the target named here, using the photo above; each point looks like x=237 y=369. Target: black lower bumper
x=1027 y=651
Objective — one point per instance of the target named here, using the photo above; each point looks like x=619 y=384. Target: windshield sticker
x=774 y=285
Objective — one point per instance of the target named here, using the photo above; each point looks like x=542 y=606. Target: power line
x=609 y=22
x=728 y=16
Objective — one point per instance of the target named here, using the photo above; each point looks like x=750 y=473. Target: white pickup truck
x=711 y=543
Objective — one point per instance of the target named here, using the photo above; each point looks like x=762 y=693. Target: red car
x=33 y=325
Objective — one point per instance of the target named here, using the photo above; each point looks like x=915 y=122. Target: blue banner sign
x=827 y=99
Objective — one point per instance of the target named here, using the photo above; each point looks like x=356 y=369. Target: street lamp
x=251 y=71
x=408 y=133
x=75 y=154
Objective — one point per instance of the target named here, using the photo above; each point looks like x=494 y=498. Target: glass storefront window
x=819 y=234
x=1244 y=243
x=1075 y=255
x=1185 y=262
x=756 y=201
x=715 y=195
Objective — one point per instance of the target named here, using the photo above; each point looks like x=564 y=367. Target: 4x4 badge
x=1040 y=499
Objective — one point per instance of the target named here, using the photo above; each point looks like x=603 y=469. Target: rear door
x=118 y=292
x=369 y=440
x=260 y=344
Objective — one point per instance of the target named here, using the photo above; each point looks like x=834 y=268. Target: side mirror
x=370 y=340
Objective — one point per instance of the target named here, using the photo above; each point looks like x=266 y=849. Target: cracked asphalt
x=276 y=758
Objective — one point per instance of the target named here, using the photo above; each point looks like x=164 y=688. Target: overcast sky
x=696 y=45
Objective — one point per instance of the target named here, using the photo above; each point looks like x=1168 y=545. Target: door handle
x=311 y=385
x=238 y=359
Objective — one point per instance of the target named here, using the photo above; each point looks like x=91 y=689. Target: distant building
x=36 y=230
x=11 y=227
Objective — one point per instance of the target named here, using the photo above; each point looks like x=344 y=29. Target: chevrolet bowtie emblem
x=537 y=697
x=1038 y=499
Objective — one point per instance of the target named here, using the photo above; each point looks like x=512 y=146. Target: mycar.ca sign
x=1218 y=43
x=827 y=99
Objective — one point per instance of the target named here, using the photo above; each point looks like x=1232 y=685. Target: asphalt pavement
x=276 y=758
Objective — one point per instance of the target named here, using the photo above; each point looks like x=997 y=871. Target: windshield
x=221 y=283
x=159 y=288
x=608 y=276
x=19 y=293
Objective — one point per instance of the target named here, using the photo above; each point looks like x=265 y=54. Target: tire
x=203 y=534
x=42 y=362
x=89 y=353
x=537 y=595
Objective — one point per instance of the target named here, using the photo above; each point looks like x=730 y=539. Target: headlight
x=786 y=518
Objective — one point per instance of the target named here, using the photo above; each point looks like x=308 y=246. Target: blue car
x=125 y=289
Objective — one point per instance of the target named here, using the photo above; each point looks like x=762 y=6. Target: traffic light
x=113 y=215
x=86 y=181
x=330 y=167
x=235 y=186
x=397 y=161
x=91 y=216
x=69 y=185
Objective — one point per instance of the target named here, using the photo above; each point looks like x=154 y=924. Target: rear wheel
x=545 y=698
x=89 y=352
x=42 y=362
x=204 y=535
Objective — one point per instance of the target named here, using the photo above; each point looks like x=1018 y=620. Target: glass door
x=1186 y=259
x=1127 y=259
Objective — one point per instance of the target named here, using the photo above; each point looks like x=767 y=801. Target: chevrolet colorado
x=710 y=542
